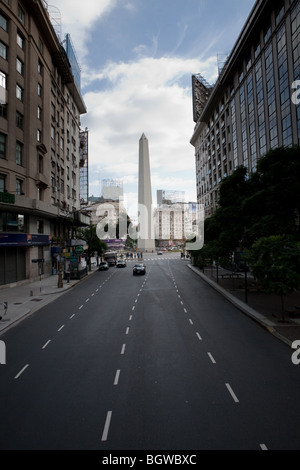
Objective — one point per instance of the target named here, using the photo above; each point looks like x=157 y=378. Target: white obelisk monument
x=146 y=241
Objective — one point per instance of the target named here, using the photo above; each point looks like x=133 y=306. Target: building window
x=19 y=153
x=19 y=184
x=2 y=146
x=2 y=183
x=40 y=227
x=19 y=120
x=12 y=222
x=41 y=164
x=19 y=93
x=3 y=50
x=40 y=67
x=3 y=80
x=3 y=23
x=39 y=89
x=39 y=113
x=41 y=45
x=20 y=41
x=20 y=67
x=21 y=14
x=39 y=135
x=3 y=110
x=40 y=194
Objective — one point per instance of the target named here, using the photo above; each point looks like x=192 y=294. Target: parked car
x=103 y=266
x=121 y=263
x=159 y=252
x=139 y=268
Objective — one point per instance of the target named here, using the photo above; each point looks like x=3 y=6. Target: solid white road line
x=236 y=400
x=21 y=372
x=107 y=426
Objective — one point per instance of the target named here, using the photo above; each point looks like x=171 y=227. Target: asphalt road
x=160 y=362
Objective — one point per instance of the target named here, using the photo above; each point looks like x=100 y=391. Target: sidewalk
x=28 y=297
x=263 y=308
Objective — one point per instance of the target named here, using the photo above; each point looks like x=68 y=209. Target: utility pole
x=60 y=283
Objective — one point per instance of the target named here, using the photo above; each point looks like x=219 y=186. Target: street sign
x=79 y=250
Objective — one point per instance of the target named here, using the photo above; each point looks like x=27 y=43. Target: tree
x=275 y=263
x=273 y=206
x=225 y=228
x=94 y=243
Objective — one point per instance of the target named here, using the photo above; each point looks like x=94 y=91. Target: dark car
x=139 y=268
x=121 y=263
x=103 y=266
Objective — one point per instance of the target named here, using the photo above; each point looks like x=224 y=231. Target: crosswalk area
x=155 y=258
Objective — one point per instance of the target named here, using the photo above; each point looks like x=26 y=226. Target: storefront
x=15 y=254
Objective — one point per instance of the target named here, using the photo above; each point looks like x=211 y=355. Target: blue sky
x=137 y=58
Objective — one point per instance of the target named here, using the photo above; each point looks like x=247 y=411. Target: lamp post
x=60 y=283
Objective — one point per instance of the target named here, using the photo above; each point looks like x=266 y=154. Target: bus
x=111 y=258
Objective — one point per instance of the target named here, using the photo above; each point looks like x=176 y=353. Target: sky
x=137 y=58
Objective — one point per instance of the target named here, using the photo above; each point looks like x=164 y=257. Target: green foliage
x=275 y=262
x=273 y=206
x=94 y=243
x=263 y=204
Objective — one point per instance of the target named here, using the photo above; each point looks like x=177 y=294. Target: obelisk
x=146 y=241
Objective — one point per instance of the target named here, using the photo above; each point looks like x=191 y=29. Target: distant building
x=40 y=109
x=174 y=224
x=112 y=189
x=251 y=109
x=165 y=196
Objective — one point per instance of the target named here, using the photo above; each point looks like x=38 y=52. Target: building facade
x=175 y=224
x=40 y=109
x=251 y=109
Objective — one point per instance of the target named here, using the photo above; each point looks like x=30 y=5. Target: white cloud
x=147 y=95
x=78 y=19
x=144 y=96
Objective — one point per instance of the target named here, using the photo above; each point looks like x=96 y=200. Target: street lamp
x=60 y=283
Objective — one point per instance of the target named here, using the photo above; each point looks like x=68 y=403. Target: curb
x=244 y=308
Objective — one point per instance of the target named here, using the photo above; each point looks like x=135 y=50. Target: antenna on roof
x=55 y=17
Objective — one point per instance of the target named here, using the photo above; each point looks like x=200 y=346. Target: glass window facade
x=259 y=89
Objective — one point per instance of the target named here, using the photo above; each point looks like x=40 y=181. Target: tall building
x=250 y=110
x=40 y=109
x=146 y=240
